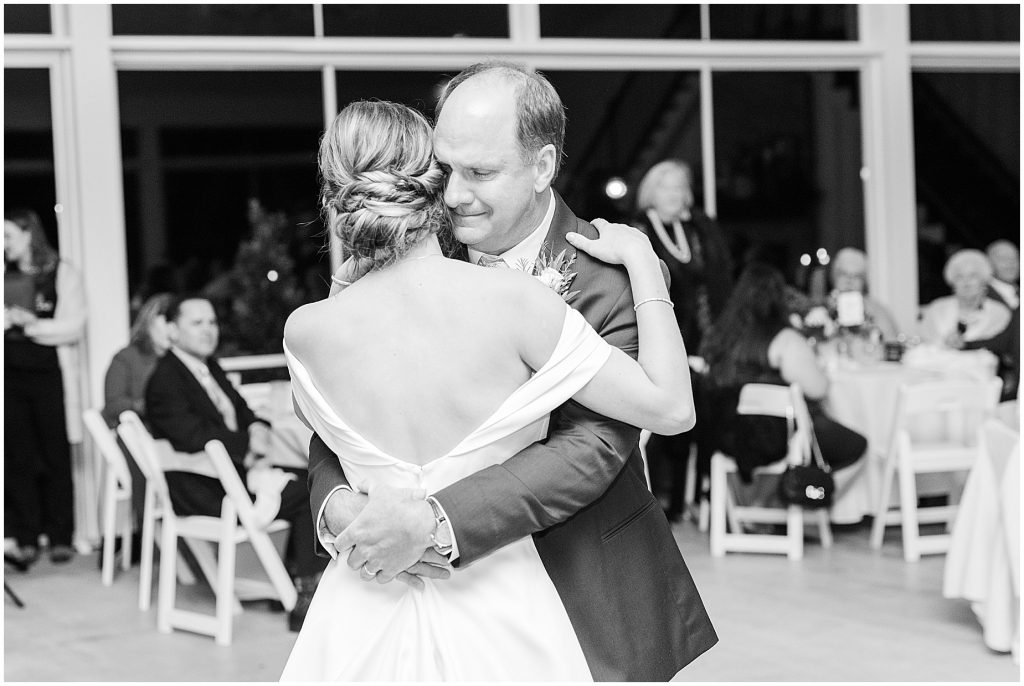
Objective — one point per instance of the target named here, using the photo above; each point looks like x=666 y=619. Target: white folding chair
x=955 y=409
x=153 y=512
x=774 y=401
x=224 y=531
x=117 y=490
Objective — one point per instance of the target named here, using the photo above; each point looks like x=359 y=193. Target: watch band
x=439 y=521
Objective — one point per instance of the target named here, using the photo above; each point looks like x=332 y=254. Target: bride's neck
x=424 y=248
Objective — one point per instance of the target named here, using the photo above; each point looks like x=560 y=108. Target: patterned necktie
x=220 y=399
x=491 y=261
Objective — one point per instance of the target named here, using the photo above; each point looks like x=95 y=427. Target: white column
x=96 y=204
x=888 y=173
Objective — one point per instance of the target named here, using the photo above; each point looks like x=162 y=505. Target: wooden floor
x=847 y=614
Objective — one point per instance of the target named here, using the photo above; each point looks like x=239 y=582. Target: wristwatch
x=441 y=536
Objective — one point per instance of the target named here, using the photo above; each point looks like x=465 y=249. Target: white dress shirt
x=520 y=256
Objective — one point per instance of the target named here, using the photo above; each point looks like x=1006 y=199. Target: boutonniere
x=553 y=271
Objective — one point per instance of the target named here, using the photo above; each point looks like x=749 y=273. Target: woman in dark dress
x=700 y=267
x=44 y=307
x=753 y=342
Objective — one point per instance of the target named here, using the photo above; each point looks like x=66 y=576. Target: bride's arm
x=654 y=391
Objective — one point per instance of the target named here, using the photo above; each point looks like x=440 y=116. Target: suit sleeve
x=171 y=415
x=325 y=475
x=547 y=482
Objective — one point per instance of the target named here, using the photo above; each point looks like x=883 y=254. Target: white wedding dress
x=499 y=619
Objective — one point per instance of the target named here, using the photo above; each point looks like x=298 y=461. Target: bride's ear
x=545 y=164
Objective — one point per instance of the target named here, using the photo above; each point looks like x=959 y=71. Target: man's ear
x=172 y=332
x=545 y=163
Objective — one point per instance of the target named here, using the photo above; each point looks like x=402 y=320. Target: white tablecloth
x=984 y=553
x=863 y=395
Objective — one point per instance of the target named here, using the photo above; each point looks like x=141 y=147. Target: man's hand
x=390 y=535
x=342 y=508
x=432 y=565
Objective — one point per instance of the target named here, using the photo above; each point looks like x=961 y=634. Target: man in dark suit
x=582 y=492
x=190 y=401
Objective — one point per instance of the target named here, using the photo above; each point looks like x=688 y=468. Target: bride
x=426 y=369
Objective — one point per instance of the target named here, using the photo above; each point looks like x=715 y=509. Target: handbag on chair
x=809 y=485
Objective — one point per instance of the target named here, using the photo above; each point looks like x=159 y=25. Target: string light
x=615 y=188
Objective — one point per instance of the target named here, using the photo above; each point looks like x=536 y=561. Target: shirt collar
x=194 y=364
x=527 y=250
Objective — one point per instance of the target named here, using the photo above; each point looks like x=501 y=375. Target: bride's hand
x=616 y=244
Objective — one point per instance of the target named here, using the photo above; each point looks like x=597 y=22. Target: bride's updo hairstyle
x=382 y=190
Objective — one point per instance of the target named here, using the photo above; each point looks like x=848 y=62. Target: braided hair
x=381 y=190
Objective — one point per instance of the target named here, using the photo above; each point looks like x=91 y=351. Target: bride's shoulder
x=304 y=323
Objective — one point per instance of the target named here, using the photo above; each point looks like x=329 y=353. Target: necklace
x=423 y=257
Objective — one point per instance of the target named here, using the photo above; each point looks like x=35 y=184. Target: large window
x=28 y=146
x=221 y=194
x=965 y=22
x=620 y=21
x=621 y=124
x=442 y=21
x=154 y=19
x=967 y=162
x=788 y=180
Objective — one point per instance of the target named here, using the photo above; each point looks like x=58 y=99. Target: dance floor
x=848 y=614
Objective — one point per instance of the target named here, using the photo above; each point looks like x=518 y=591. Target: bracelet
x=653 y=300
x=340 y=282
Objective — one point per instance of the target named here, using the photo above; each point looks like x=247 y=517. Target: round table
x=863 y=395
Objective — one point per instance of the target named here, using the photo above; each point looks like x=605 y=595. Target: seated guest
x=1005 y=283
x=1006 y=346
x=124 y=387
x=968 y=315
x=752 y=342
x=849 y=273
x=190 y=401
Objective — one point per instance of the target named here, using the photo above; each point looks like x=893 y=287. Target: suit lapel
x=562 y=223
x=191 y=385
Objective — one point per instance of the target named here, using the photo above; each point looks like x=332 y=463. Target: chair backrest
x=787 y=402
x=955 y=406
x=103 y=437
x=142 y=448
x=233 y=486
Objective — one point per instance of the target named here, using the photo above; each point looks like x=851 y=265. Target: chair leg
x=109 y=516
x=146 y=561
x=824 y=529
x=225 y=583
x=273 y=566
x=690 y=487
x=126 y=537
x=168 y=582
x=735 y=524
x=704 y=509
x=719 y=492
x=908 y=512
x=878 y=526
x=795 y=532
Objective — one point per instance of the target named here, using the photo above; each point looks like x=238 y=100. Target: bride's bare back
x=417 y=356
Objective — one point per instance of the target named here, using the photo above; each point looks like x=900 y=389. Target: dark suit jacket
x=179 y=409
x=582 y=493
